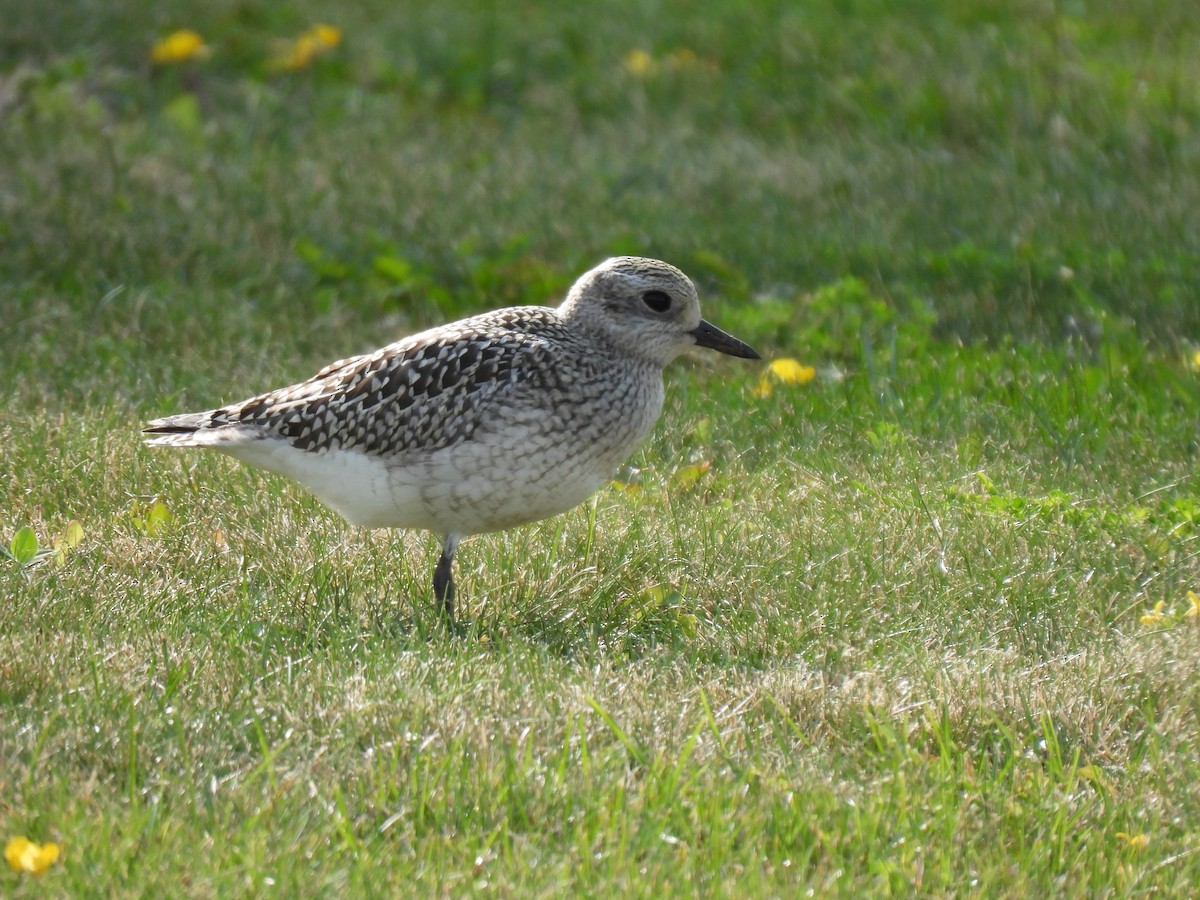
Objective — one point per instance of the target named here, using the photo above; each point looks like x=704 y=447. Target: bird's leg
x=443 y=577
x=443 y=585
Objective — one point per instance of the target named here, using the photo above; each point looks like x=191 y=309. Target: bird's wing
x=423 y=393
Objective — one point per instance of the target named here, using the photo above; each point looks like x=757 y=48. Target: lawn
x=924 y=623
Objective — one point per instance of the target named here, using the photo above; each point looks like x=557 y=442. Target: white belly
x=531 y=463
x=467 y=489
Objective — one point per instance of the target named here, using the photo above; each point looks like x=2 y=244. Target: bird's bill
x=712 y=337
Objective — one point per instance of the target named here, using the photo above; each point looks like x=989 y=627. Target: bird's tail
x=204 y=429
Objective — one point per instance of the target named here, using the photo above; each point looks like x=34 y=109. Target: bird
x=479 y=425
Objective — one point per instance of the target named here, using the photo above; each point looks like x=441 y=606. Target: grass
x=890 y=631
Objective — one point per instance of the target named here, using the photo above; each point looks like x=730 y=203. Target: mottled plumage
x=482 y=424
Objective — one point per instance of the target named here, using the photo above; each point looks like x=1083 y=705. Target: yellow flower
x=1156 y=616
x=300 y=53
x=179 y=46
x=784 y=371
x=789 y=371
x=1193 y=610
x=326 y=35
x=1136 y=842
x=639 y=63
x=1194 y=360
x=26 y=856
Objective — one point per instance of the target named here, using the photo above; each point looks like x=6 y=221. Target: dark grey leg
x=443 y=585
x=443 y=576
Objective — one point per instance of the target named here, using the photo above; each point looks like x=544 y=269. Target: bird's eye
x=657 y=300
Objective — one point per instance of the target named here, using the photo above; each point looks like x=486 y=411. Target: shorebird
x=482 y=424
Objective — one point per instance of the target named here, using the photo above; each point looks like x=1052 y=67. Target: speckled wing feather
x=423 y=393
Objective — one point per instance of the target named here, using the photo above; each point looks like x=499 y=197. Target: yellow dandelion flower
x=1193 y=360
x=788 y=371
x=639 y=63
x=300 y=53
x=179 y=46
x=1137 y=842
x=783 y=371
x=326 y=35
x=1193 y=610
x=1156 y=616
x=26 y=856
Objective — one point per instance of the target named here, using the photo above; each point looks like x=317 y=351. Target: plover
x=479 y=425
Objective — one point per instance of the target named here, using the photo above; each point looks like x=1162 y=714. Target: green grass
x=891 y=640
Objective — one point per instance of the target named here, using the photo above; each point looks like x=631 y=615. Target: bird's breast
x=540 y=453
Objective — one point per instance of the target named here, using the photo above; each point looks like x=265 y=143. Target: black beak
x=712 y=337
